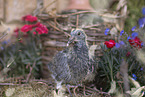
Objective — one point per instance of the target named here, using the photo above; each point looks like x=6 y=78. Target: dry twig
x=31 y=68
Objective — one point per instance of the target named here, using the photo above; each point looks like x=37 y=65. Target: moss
x=134 y=13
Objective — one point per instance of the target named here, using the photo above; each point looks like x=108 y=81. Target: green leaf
x=106 y=73
x=37 y=59
x=115 y=59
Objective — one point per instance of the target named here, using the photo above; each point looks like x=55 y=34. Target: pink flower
x=110 y=43
x=41 y=29
x=29 y=18
x=21 y=41
x=34 y=33
x=16 y=32
x=36 y=25
x=26 y=28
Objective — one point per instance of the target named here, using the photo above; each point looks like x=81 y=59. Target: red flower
x=41 y=29
x=26 y=28
x=36 y=25
x=34 y=33
x=128 y=54
x=136 y=42
x=21 y=41
x=110 y=43
x=16 y=32
x=29 y=18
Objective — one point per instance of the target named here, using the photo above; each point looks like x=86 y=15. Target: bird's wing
x=92 y=50
x=59 y=67
x=92 y=57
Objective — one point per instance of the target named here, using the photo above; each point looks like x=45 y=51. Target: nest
x=60 y=25
x=43 y=88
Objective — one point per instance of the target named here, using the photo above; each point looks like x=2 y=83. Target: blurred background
x=13 y=10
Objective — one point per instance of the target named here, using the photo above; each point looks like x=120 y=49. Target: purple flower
x=2 y=48
x=128 y=38
x=133 y=28
x=141 y=69
x=117 y=45
x=142 y=44
x=134 y=76
x=121 y=43
x=121 y=32
x=106 y=31
x=134 y=34
x=141 y=22
x=143 y=10
x=4 y=42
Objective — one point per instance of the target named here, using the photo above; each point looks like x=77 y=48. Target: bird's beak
x=71 y=40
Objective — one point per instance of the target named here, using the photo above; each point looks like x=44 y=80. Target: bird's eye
x=79 y=33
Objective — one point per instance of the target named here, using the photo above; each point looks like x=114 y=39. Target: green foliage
x=111 y=60
x=134 y=13
x=20 y=56
x=109 y=64
x=137 y=91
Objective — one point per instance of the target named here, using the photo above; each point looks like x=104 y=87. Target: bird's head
x=77 y=36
